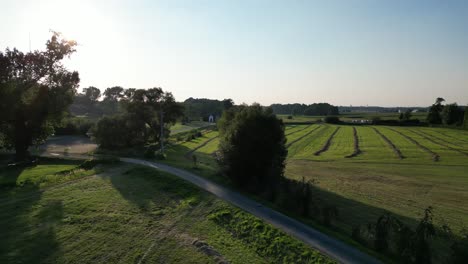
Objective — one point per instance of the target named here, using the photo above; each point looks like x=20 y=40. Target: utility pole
x=161 y=137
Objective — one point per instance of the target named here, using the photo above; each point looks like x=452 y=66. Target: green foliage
x=459 y=249
x=119 y=131
x=434 y=117
x=74 y=126
x=35 y=91
x=268 y=242
x=465 y=119
x=141 y=120
x=92 y=93
x=332 y=120
x=201 y=109
x=302 y=109
x=252 y=147
x=452 y=114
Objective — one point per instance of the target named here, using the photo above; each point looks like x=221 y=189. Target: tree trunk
x=21 y=140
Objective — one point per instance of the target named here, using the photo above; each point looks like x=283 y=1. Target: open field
x=376 y=179
x=61 y=211
x=379 y=179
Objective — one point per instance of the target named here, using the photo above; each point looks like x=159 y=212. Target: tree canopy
x=35 y=91
x=252 y=147
x=140 y=120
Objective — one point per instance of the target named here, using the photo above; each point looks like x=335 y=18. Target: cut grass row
x=299 y=136
x=435 y=140
x=296 y=129
x=357 y=150
x=392 y=146
x=306 y=145
x=327 y=143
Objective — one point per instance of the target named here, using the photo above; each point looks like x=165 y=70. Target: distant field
x=352 y=116
x=59 y=212
x=377 y=179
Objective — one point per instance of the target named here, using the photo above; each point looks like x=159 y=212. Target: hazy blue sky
x=358 y=52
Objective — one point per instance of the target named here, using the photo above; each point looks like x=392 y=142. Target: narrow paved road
x=324 y=243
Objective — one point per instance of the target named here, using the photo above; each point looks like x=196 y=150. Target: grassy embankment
x=63 y=211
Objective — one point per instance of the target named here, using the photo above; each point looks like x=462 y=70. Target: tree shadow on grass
x=27 y=226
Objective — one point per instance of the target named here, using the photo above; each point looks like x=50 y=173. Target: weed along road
x=326 y=244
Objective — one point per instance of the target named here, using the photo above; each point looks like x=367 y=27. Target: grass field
x=61 y=212
x=376 y=180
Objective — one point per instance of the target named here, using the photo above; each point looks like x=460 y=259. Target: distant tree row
x=317 y=109
x=196 y=109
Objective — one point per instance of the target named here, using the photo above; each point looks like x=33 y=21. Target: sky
x=348 y=52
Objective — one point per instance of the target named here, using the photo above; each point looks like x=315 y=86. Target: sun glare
x=77 y=20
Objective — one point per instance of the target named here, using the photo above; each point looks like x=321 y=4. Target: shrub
x=331 y=120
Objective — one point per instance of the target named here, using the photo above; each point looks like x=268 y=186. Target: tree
x=433 y=117
x=228 y=103
x=35 y=91
x=424 y=232
x=252 y=147
x=465 y=120
x=452 y=114
x=142 y=115
x=92 y=93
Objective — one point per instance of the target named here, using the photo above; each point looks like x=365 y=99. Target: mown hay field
x=397 y=169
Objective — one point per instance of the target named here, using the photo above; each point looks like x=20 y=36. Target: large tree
x=252 y=147
x=35 y=91
x=434 y=117
x=452 y=114
x=92 y=93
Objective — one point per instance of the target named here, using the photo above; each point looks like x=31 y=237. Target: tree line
x=316 y=109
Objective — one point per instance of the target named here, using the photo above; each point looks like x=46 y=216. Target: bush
x=159 y=156
x=331 y=120
x=119 y=131
x=149 y=153
x=290 y=117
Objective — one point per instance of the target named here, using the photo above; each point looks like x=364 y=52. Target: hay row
x=301 y=137
x=452 y=137
x=357 y=150
x=390 y=143
x=435 y=156
x=328 y=143
x=298 y=130
x=427 y=137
